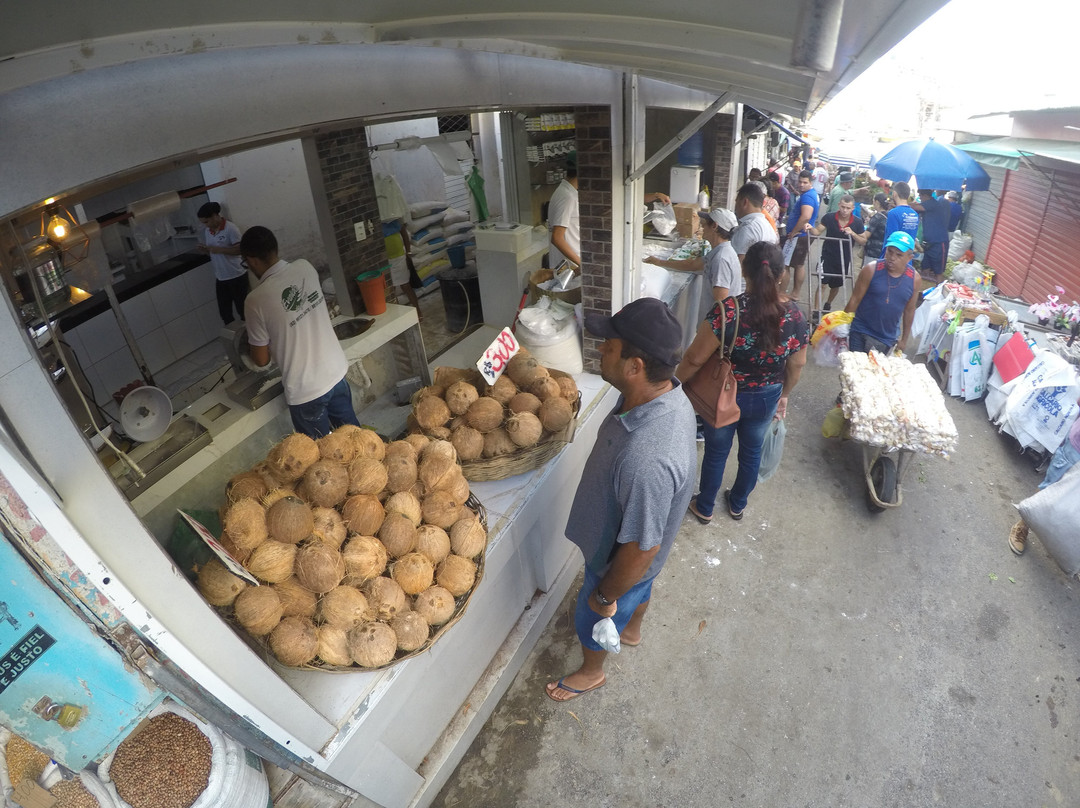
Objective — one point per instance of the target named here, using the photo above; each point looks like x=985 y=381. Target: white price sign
x=223 y=554
x=492 y=364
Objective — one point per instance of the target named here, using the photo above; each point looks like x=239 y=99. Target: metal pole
x=676 y=141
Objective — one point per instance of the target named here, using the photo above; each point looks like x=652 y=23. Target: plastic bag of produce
x=830 y=346
x=772 y=449
x=959 y=244
x=830 y=321
x=1054 y=515
x=833 y=427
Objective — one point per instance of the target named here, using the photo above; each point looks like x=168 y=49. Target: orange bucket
x=373 y=290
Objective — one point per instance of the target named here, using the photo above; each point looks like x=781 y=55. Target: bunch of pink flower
x=1054 y=308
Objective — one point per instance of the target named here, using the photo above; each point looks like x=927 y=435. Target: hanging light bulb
x=58 y=228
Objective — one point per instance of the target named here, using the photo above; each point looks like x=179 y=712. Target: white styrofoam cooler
x=503 y=237
x=685 y=184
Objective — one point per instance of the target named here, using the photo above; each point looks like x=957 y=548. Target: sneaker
x=700 y=437
x=1018 y=537
x=826 y=306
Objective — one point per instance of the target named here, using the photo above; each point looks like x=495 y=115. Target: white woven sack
x=5 y=779
x=1053 y=514
x=212 y=793
x=245 y=783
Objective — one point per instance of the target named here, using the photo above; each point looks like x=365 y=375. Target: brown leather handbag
x=712 y=389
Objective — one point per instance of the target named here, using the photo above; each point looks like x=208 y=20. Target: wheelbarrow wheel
x=883 y=478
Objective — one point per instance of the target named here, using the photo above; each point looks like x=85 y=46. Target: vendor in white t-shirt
x=287 y=321
x=221 y=240
x=563 y=219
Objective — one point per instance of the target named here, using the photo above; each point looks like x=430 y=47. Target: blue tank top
x=883 y=304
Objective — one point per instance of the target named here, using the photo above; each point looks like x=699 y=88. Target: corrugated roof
x=1007 y=151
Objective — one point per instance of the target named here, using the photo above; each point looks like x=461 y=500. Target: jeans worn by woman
x=757 y=406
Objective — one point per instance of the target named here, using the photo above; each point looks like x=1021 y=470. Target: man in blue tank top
x=884 y=299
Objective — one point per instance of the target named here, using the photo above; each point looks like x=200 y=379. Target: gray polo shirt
x=637 y=481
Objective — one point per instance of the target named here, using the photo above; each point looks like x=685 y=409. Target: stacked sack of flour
x=895 y=404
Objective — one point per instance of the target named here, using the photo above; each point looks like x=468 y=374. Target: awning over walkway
x=1007 y=151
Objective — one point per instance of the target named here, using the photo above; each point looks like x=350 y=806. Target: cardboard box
x=687 y=221
x=29 y=794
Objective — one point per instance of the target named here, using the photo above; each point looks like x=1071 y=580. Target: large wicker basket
x=260 y=646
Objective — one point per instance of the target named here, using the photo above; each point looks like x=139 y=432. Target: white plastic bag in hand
x=606 y=635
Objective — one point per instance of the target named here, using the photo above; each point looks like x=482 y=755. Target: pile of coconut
x=364 y=549
x=528 y=405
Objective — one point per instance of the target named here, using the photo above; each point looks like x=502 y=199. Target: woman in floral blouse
x=767 y=358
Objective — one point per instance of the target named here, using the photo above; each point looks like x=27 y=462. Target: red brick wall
x=593 y=124
x=723 y=193
x=350 y=196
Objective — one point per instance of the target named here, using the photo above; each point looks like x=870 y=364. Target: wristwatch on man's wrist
x=601 y=599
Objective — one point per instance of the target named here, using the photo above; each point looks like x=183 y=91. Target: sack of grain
x=142 y=778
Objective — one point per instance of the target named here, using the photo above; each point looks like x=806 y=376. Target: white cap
x=722 y=217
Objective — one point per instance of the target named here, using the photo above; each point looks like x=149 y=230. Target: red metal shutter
x=1016 y=231
x=1055 y=261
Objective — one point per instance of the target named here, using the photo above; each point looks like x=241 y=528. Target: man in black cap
x=636 y=484
x=844 y=181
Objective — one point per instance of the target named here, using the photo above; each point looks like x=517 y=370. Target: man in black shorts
x=802 y=211
x=840 y=229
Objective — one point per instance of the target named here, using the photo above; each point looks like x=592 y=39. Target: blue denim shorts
x=585 y=618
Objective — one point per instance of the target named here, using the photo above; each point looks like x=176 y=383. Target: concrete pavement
x=816 y=654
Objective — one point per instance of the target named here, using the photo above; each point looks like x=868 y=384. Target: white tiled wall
x=169 y=322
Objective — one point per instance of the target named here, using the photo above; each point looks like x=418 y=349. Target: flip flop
x=727 y=501
x=692 y=507
x=575 y=693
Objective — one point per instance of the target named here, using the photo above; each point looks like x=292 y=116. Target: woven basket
x=260 y=646
x=551 y=443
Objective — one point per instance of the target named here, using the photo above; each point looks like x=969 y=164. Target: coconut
x=258 y=609
x=446 y=376
x=503 y=390
x=367 y=476
x=418 y=441
x=411 y=630
x=498 y=443
x=367 y=442
x=437 y=472
x=439 y=508
x=385 y=598
x=525 y=402
x=245 y=522
x=279 y=493
x=405 y=503
x=272 y=561
x=337 y=446
x=295 y=641
x=398 y=534
x=431 y=412
x=219 y=586
x=459 y=488
x=468 y=442
x=412 y=426
x=399 y=447
x=292 y=457
x=246 y=485
x=418 y=490
x=262 y=468
x=456 y=574
x=325 y=483
x=363 y=514
x=567 y=387
x=365 y=557
x=414 y=572
x=485 y=414
x=523 y=369
x=343 y=607
x=329 y=526
x=459 y=396
x=333 y=646
x=440 y=433
x=524 y=429
x=545 y=387
x=435 y=604
x=290 y=520
x=436 y=390
x=372 y=644
x=400 y=471
x=296 y=600
x=240 y=554
x=432 y=541
x=319 y=566
x=438 y=448
x=555 y=413
x=468 y=537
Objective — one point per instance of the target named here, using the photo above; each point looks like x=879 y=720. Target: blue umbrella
x=934 y=165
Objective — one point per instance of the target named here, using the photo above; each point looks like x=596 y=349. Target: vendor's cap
x=647 y=324
x=723 y=218
x=845 y=176
x=901 y=240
